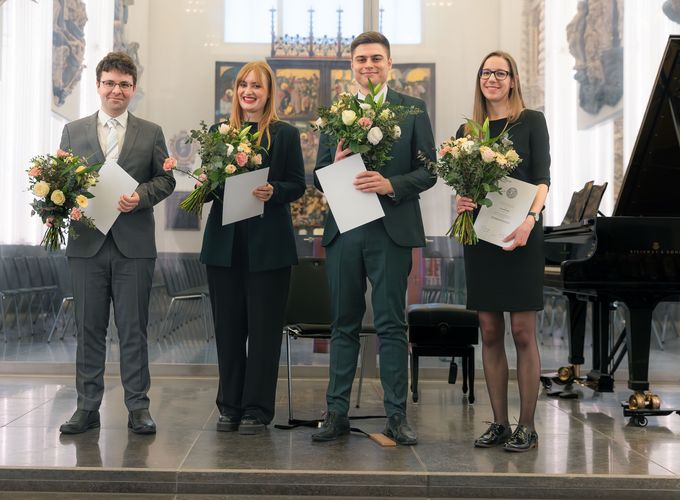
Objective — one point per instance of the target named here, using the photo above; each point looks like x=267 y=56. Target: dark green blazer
x=408 y=175
x=271 y=241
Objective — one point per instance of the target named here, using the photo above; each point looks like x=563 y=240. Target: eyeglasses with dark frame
x=499 y=74
x=110 y=84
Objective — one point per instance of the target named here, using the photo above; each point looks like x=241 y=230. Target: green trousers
x=368 y=252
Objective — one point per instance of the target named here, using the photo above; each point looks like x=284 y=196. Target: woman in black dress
x=249 y=263
x=510 y=278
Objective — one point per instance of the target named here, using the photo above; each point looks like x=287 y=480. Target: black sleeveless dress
x=498 y=280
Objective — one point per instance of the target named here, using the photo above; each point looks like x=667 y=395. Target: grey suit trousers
x=96 y=280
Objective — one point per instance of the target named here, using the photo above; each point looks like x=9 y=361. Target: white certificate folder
x=351 y=208
x=508 y=211
x=113 y=182
x=239 y=201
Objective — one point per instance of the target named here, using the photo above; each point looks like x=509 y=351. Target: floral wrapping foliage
x=224 y=152
x=473 y=166
x=61 y=184
x=369 y=127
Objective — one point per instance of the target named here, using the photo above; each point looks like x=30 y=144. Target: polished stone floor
x=587 y=447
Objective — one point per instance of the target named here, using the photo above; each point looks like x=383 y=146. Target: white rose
x=365 y=106
x=467 y=146
x=487 y=154
x=397 y=131
x=230 y=149
x=224 y=128
x=320 y=122
x=41 y=189
x=230 y=169
x=348 y=117
x=374 y=135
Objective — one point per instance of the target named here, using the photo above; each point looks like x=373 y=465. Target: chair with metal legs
x=308 y=316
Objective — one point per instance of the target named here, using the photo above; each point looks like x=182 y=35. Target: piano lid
x=650 y=186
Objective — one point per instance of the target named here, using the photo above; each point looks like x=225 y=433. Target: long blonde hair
x=516 y=101
x=265 y=77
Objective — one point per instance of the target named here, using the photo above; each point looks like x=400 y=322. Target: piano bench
x=443 y=330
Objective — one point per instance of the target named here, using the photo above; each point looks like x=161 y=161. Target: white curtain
x=646 y=30
x=577 y=155
x=28 y=127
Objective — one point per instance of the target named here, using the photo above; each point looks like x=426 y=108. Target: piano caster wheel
x=547 y=383
x=636 y=401
x=565 y=374
x=652 y=401
x=639 y=421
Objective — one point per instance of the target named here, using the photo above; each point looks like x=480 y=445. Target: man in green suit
x=379 y=251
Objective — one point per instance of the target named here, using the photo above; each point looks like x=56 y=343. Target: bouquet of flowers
x=224 y=152
x=473 y=165
x=370 y=127
x=60 y=183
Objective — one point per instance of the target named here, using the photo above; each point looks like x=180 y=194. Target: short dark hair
x=370 y=37
x=117 y=61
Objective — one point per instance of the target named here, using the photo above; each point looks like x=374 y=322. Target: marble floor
x=587 y=448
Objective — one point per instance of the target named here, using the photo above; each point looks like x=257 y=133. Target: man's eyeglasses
x=110 y=84
x=500 y=74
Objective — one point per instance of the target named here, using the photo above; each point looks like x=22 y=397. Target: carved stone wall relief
x=533 y=54
x=68 y=49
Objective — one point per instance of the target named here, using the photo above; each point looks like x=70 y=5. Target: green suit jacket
x=408 y=175
x=271 y=241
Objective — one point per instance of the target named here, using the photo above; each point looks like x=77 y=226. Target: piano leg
x=600 y=378
x=638 y=343
x=577 y=329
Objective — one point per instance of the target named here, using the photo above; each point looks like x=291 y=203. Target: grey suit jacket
x=142 y=157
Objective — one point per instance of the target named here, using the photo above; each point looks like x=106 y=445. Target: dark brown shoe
x=250 y=425
x=81 y=421
x=334 y=426
x=397 y=428
x=140 y=422
x=495 y=435
x=228 y=423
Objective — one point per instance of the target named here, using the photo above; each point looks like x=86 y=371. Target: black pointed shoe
x=522 y=439
x=81 y=421
x=250 y=424
x=397 y=428
x=495 y=435
x=228 y=423
x=140 y=422
x=334 y=426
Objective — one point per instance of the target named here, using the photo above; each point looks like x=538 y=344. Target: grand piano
x=632 y=257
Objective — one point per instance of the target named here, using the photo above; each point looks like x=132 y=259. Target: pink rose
x=34 y=171
x=201 y=179
x=444 y=150
x=76 y=214
x=365 y=122
x=169 y=164
x=241 y=159
x=62 y=154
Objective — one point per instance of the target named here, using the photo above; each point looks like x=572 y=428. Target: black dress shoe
x=228 y=423
x=495 y=435
x=81 y=421
x=522 y=439
x=398 y=429
x=333 y=427
x=250 y=425
x=140 y=422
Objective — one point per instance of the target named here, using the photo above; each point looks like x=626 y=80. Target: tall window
x=400 y=21
x=293 y=17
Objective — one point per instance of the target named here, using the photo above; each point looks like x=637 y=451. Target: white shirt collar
x=103 y=118
x=383 y=92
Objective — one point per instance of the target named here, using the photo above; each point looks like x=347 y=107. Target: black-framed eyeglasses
x=500 y=74
x=110 y=84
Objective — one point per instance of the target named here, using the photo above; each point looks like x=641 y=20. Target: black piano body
x=633 y=256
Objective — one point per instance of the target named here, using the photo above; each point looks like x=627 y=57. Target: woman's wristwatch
x=535 y=215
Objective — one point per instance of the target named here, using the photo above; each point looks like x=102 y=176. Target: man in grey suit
x=118 y=265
